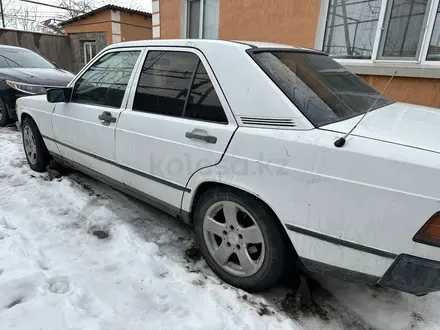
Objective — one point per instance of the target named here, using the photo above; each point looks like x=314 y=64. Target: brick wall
x=292 y=22
x=99 y=22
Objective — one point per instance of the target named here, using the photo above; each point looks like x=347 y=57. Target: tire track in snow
x=175 y=238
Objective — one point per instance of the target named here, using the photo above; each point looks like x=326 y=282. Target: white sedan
x=247 y=142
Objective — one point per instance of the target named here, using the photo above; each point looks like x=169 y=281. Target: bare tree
x=77 y=7
x=23 y=16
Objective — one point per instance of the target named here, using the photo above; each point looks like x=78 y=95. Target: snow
x=56 y=274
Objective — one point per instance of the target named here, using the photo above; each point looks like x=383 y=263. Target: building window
x=404 y=30
x=402 y=37
x=202 y=19
x=351 y=28
x=434 y=45
x=89 y=51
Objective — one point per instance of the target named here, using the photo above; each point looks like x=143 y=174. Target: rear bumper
x=407 y=273
x=413 y=275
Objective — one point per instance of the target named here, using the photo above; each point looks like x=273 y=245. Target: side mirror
x=59 y=95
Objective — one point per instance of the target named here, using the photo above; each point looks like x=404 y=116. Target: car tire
x=36 y=152
x=264 y=264
x=4 y=115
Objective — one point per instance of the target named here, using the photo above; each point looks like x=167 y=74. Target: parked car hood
x=400 y=123
x=45 y=77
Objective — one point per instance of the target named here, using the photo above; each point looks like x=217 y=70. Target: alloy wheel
x=233 y=238
x=30 y=146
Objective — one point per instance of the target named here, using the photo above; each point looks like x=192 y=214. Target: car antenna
x=342 y=140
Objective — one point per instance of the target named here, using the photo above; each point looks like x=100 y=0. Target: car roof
x=11 y=47
x=207 y=43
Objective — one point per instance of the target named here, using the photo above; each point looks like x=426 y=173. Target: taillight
x=430 y=233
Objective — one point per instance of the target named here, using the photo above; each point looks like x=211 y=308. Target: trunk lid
x=401 y=123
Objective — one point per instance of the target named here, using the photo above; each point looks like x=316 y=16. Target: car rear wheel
x=4 y=116
x=36 y=152
x=241 y=239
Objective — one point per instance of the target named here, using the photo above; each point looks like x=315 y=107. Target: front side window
x=175 y=83
x=404 y=28
x=322 y=89
x=202 y=19
x=351 y=28
x=105 y=82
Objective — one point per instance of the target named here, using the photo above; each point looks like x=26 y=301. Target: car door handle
x=200 y=134
x=106 y=118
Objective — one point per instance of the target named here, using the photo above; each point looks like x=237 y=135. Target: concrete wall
x=77 y=43
x=55 y=48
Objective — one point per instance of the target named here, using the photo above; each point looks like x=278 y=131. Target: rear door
x=177 y=122
x=84 y=128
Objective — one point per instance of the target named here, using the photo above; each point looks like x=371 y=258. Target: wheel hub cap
x=234 y=238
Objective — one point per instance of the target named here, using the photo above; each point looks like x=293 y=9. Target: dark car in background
x=23 y=73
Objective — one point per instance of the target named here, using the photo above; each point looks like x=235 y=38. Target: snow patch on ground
x=56 y=273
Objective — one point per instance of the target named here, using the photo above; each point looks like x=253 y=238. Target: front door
x=177 y=122
x=84 y=128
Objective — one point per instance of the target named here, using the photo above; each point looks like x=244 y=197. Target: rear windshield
x=322 y=89
x=22 y=58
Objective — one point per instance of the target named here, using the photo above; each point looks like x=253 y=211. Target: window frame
x=385 y=27
x=217 y=88
x=90 y=50
x=185 y=19
x=100 y=55
x=201 y=16
x=376 y=58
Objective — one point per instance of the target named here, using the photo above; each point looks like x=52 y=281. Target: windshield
x=322 y=89
x=22 y=58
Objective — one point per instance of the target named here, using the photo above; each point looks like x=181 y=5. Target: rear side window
x=203 y=102
x=175 y=83
x=322 y=89
x=105 y=82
